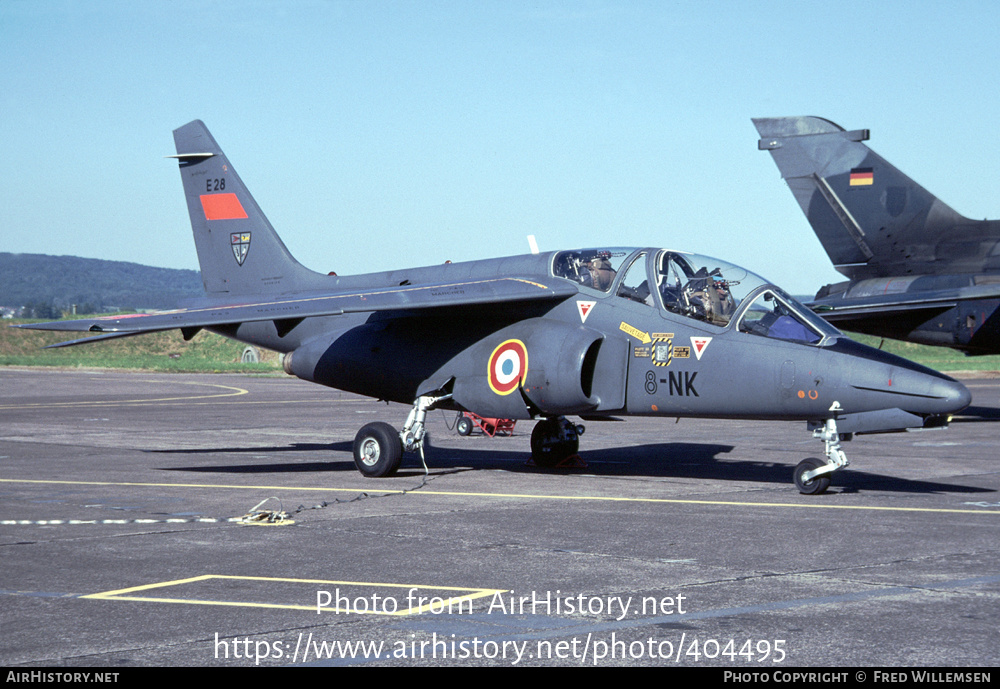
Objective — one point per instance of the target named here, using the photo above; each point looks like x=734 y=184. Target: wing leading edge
x=288 y=311
x=858 y=300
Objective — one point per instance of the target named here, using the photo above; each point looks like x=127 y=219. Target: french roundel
x=508 y=366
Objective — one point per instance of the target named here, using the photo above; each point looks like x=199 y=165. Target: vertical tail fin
x=871 y=218
x=238 y=250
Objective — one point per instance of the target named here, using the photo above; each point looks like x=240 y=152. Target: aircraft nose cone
x=889 y=380
x=924 y=391
x=954 y=396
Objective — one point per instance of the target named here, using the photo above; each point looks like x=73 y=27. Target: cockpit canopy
x=596 y=268
x=694 y=286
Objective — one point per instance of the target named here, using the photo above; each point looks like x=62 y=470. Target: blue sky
x=380 y=135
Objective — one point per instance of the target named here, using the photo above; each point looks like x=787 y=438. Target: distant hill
x=61 y=281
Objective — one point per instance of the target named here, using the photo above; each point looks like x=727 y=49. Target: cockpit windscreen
x=701 y=287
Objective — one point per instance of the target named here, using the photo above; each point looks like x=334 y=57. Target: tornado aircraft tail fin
x=871 y=218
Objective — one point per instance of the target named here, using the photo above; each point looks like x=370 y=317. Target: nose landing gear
x=815 y=484
x=812 y=475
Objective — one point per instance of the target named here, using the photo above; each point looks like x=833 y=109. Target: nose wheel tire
x=815 y=485
x=378 y=451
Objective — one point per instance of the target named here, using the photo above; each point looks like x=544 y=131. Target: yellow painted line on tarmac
x=186 y=400
x=181 y=401
x=232 y=392
x=200 y=485
x=518 y=496
x=432 y=604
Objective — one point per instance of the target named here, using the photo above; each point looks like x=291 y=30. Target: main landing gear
x=378 y=448
x=812 y=475
x=554 y=440
x=378 y=451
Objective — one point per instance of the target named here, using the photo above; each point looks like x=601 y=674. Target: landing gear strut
x=812 y=476
x=553 y=440
x=378 y=448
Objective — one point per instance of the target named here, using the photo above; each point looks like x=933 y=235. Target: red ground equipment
x=467 y=421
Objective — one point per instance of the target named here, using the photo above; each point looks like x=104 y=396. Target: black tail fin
x=239 y=251
x=871 y=218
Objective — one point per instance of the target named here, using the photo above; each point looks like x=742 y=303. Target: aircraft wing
x=835 y=310
x=289 y=311
x=844 y=308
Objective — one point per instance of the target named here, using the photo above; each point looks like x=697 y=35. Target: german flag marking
x=862 y=177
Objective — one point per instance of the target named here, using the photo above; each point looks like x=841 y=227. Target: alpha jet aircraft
x=917 y=270
x=589 y=332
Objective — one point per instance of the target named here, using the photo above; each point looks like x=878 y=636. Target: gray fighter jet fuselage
x=589 y=332
x=917 y=270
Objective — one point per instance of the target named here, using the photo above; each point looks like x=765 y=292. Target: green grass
x=166 y=351
x=207 y=352
x=938 y=358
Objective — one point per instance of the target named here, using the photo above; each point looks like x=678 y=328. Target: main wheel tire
x=547 y=450
x=813 y=486
x=464 y=425
x=378 y=451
